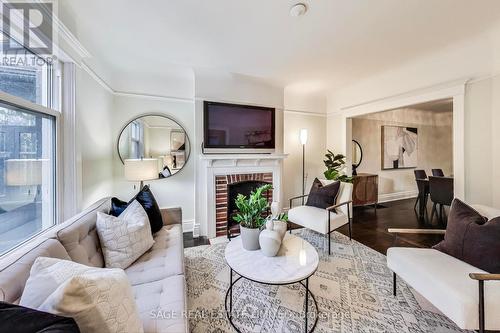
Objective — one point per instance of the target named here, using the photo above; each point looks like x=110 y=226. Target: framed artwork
x=399 y=147
x=177 y=140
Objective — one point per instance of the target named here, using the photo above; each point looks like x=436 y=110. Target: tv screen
x=238 y=126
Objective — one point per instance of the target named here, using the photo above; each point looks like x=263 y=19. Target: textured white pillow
x=99 y=299
x=125 y=238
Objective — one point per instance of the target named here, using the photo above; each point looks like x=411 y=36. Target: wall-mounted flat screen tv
x=236 y=127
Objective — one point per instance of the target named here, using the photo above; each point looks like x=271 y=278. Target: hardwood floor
x=370 y=228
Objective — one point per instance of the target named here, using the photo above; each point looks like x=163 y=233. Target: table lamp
x=141 y=169
x=24 y=172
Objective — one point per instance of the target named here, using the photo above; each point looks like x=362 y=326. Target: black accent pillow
x=470 y=237
x=117 y=206
x=323 y=196
x=147 y=200
x=19 y=319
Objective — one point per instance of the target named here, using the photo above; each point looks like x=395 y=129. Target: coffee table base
x=229 y=294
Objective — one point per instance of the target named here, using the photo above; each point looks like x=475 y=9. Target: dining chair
x=441 y=193
x=423 y=191
x=437 y=172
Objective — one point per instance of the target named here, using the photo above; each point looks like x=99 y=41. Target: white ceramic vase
x=250 y=238
x=270 y=239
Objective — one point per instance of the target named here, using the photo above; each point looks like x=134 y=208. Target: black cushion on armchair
x=323 y=196
x=19 y=319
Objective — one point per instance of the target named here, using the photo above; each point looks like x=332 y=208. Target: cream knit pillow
x=99 y=299
x=125 y=238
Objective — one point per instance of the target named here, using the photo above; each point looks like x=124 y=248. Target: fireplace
x=244 y=187
x=216 y=171
x=227 y=188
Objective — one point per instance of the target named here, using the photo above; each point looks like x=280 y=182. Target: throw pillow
x=117 y=206
x=99 y=299
x=124 y=238
x=470 y=237
x=147 y=200
x=16 y=318
x=323 y=196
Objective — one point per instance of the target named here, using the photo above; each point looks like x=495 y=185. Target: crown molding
x=96 y=77
x=306 y=113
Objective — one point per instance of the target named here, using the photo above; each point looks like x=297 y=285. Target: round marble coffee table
x=295 y=262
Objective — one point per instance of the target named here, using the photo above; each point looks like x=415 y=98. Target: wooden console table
x=365 y=190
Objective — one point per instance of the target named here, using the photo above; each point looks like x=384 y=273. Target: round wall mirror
x=154 y=138
x=357 y=156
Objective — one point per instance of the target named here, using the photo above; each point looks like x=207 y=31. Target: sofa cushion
x=124 y=238
x=99 y=299
x=444 y=281
x=19 y=319
x=471 y=238
x=79 y=235
x=316 y=218
x=14 y=275
x=323 y=196
x=162 y=305
x=164 y=259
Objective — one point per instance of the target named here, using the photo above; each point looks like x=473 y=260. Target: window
x=27 y=147
x=27 y=174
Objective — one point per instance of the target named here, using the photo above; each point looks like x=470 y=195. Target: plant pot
x=250 y=238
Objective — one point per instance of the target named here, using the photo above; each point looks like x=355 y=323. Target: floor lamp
x=303 y=141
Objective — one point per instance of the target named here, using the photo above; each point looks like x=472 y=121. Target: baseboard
x=386 y=197
x=196 y=230
x=187 y=225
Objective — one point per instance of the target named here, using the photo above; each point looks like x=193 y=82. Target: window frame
x=21 y=103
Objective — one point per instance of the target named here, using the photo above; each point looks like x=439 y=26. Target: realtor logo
x=30 y=24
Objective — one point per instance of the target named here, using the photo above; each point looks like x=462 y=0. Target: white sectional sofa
x=445 y=282
x=157 y=277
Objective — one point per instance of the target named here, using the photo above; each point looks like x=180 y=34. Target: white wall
x=475 y=58
x=174 y=191
x=94 y=140
x=483 y=141
x=315 y=152
x=303 y=109
x=435 y=147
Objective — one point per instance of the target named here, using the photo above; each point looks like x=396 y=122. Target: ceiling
x=336 y=43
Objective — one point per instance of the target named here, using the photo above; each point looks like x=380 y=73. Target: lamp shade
x=141 y=169
x=303 y=136
x=23 y=172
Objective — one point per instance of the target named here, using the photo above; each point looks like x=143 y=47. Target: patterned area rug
x=353 y=289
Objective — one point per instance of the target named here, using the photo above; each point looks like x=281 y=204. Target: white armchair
x=467 y=295
x=325 y=221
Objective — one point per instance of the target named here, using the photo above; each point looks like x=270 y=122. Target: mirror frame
x=154 y=115
x=361 y=150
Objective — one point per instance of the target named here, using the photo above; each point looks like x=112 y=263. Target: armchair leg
x=328 y=233
x=481 y=306
x=394 y=280
x=349 y=221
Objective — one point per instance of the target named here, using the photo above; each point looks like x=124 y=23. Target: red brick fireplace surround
x=221 y=182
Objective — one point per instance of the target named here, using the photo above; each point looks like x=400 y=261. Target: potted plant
x=335 y=165
x=250 y=216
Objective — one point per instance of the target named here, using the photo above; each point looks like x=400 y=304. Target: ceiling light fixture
x=298 y=10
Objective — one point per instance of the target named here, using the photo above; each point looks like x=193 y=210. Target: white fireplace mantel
x=212 y=165
x=215 y=160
